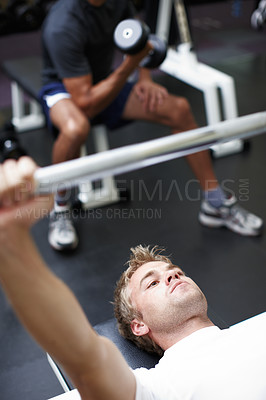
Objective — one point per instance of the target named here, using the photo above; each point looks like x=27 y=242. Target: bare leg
x=175 y=113
x=73 y=128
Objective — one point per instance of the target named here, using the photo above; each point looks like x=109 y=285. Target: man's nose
x=170 y=275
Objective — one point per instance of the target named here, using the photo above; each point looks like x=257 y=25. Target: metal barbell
x=137 y=156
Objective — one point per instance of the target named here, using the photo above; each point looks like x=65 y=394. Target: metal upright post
x=183 y=64
x=163 y=19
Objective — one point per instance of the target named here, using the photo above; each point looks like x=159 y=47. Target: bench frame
x=22 y=120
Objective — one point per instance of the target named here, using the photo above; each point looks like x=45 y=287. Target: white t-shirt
x=211 y=364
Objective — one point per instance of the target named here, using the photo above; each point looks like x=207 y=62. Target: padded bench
x=25 y=76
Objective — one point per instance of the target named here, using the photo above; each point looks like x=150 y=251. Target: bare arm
x=91 y=98
x=45 y=305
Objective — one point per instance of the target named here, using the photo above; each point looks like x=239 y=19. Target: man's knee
x=76 y=129
x=182 y=107
x=182 y=114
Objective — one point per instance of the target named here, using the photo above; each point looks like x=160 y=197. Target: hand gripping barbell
x=131 y=36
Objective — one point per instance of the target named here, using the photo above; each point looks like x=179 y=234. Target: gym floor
x=163 y=205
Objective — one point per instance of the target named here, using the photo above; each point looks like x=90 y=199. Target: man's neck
x=168 y=339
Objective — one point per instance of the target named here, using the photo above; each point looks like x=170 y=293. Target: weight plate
x=130 y=36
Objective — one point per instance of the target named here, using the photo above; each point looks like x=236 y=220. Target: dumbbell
x=131 y=36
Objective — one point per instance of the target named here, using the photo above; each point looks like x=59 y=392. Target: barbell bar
x=128 y=158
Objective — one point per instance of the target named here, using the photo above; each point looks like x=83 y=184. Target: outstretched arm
x=45 y=305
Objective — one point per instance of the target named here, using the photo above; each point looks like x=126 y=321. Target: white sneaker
x=232 y=216
x=62 y=234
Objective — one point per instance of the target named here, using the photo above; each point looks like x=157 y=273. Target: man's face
x=165 y=296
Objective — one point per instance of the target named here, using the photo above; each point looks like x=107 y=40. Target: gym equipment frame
x=182 y=63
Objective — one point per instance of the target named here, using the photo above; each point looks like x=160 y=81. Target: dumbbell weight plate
x=157 y=55
x=131 y=36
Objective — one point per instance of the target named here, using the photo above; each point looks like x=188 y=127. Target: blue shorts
x=110 y=116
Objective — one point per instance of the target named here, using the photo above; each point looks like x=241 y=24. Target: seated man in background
x=157 y=306
x=80 y=89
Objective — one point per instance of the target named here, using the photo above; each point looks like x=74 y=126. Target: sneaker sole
x=60 y=247
x=215 y=223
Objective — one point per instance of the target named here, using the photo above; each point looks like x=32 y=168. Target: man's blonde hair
x=123 y=307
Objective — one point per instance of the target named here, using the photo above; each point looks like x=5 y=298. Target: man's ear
x=139 y=328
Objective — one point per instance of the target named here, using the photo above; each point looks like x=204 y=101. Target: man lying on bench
x=157 y=306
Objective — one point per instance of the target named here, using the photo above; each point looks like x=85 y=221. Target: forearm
x=94 y=98
x=45 y=305
x=103 y=93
